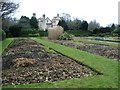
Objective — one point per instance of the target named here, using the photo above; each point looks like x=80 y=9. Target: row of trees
x=25 y=22
x=11 y=25
x=7 y=8
x=24 y=27
x=93 y=26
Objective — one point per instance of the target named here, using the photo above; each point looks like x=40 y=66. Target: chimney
x=43 y=15
x=57 y=15
x=34 y=14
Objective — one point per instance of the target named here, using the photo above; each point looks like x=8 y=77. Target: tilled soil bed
x=25 y=61
x=102 y=50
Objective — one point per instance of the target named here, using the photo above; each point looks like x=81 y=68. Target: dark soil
x=26 y=61
x=102 y=50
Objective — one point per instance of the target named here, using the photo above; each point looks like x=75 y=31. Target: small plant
x=66 y=36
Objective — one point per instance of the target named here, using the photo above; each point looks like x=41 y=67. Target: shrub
x=34 y=35
x=66 y=36
x=15 y=30
x=9 y=35
x=79 y=32
x=54 y=33
x=28 y=32
x=43 y=33
x=25 y=32
x=2 y=35
x=116 y=32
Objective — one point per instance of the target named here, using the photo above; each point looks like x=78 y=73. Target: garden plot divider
x=4 y=44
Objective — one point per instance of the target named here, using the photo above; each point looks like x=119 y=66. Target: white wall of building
x=45 y=23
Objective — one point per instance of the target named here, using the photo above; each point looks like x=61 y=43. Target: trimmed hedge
x=43 y=33
x=80 y=33
x=15 y=30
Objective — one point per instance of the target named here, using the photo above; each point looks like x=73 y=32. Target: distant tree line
x=24 y=27
x=27 y=25
x=93 y=27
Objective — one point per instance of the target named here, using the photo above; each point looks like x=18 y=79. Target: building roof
x=48 y=19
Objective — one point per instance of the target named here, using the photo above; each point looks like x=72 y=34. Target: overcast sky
x=103 y=11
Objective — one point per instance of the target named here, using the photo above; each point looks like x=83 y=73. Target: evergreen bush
x=15 y=30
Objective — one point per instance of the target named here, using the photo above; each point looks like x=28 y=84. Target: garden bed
x=25 y=61
x=102 y=50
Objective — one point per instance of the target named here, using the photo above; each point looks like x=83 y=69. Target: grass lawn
x=95 y=42
x=108 y=68
x=4 y=44
x=112 y=38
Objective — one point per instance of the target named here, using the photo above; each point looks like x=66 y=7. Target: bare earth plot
x=102 y=50
x=25 y=61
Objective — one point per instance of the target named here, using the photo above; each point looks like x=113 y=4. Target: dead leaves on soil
x=23 y=62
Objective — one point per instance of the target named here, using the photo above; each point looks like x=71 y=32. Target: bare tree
x=66 y=16
x=7 y=8
x=93 y=25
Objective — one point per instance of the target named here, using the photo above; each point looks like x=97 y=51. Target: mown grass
x=96 y=42
x=4 y=44
x=107 y=67
x=112 y=38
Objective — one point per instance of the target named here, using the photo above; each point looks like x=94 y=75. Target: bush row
x=18 y=31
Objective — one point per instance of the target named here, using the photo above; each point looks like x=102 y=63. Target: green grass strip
x=4 y=44
x=97 y=42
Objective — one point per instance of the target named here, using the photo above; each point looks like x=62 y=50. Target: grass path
x=97 y=42
x=4 y=44
x=91 y=40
